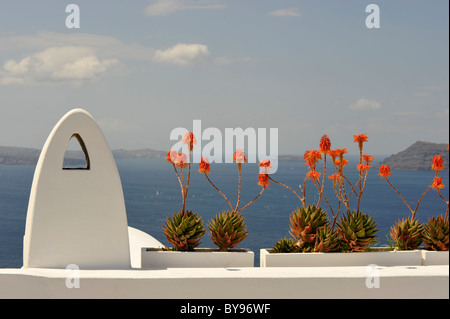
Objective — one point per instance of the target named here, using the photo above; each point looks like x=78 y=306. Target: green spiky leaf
x=184 y=230
x=357 y=230
x=304 y=223
x=436 y=233
x=406 y=234
x=228 y=229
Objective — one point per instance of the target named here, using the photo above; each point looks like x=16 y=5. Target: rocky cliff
x=418 y=156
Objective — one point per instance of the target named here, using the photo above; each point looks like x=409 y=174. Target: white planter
x=431 y=257
x=379 y=258
x=199 y=258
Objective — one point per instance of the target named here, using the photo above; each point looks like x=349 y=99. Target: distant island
x=29 y=156
x=418 y=156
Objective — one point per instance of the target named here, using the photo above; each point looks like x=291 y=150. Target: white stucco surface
x=139 y=240
x=229 y=283
x=76 y=216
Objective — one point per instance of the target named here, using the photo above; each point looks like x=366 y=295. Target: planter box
x=199 y=258
x=431 y=257
x=379 y=258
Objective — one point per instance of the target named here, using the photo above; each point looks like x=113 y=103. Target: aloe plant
x=285 y=245
x=407 y=234
x=228 y=229
x=184 y=230
x=327 y=240
x=304 y=223
x=357 y=231
x=436 y=233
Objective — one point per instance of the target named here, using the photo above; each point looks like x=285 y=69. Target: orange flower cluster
x=177 y=159
x=190 y=140
x=438 y=163
x=360 y=139
x=239 y=156
x=437 y=183
x=265 y=163
x=204 y=166
x=313 y=175
x=367 y=159
x=311 y=159
x=263 y=180
x=337 y=156
x=385 y=171
x=181 y=160
x=265 y=167
x=325 y=144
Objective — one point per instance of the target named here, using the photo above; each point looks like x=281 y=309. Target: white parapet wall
x=230 y=283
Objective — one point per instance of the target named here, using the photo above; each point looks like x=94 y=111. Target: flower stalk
x=240 y=158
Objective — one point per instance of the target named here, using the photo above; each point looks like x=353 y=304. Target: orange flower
x=341 y=151
x=360 y=139
x=263 y=180
x=367 y=158
x=311 y=158
x=239 y=156
x=335 y=178
x=385 y=171
x=265 y=166
x=338 y=162
x=171 y=155
x=189 y=139
x=333 y=154
x=313 y=175
x=325 y=144
x=437 y=183
x=438 y=163
x=265 y=163
x=204 y=166
x=363 y=167
x=180 y=160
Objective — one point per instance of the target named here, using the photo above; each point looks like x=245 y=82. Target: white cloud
x=104 y=46
x=70 y=64
x=365 y=104
x=183 y=54
x=77 y=58
x=167 y=7
x=287 y=12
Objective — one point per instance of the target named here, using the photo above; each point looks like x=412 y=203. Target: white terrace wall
x=78 y=217
x=230 y=283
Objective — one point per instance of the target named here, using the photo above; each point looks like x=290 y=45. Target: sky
x=143 y=68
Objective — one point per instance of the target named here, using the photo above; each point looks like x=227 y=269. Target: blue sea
x=152 y=193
